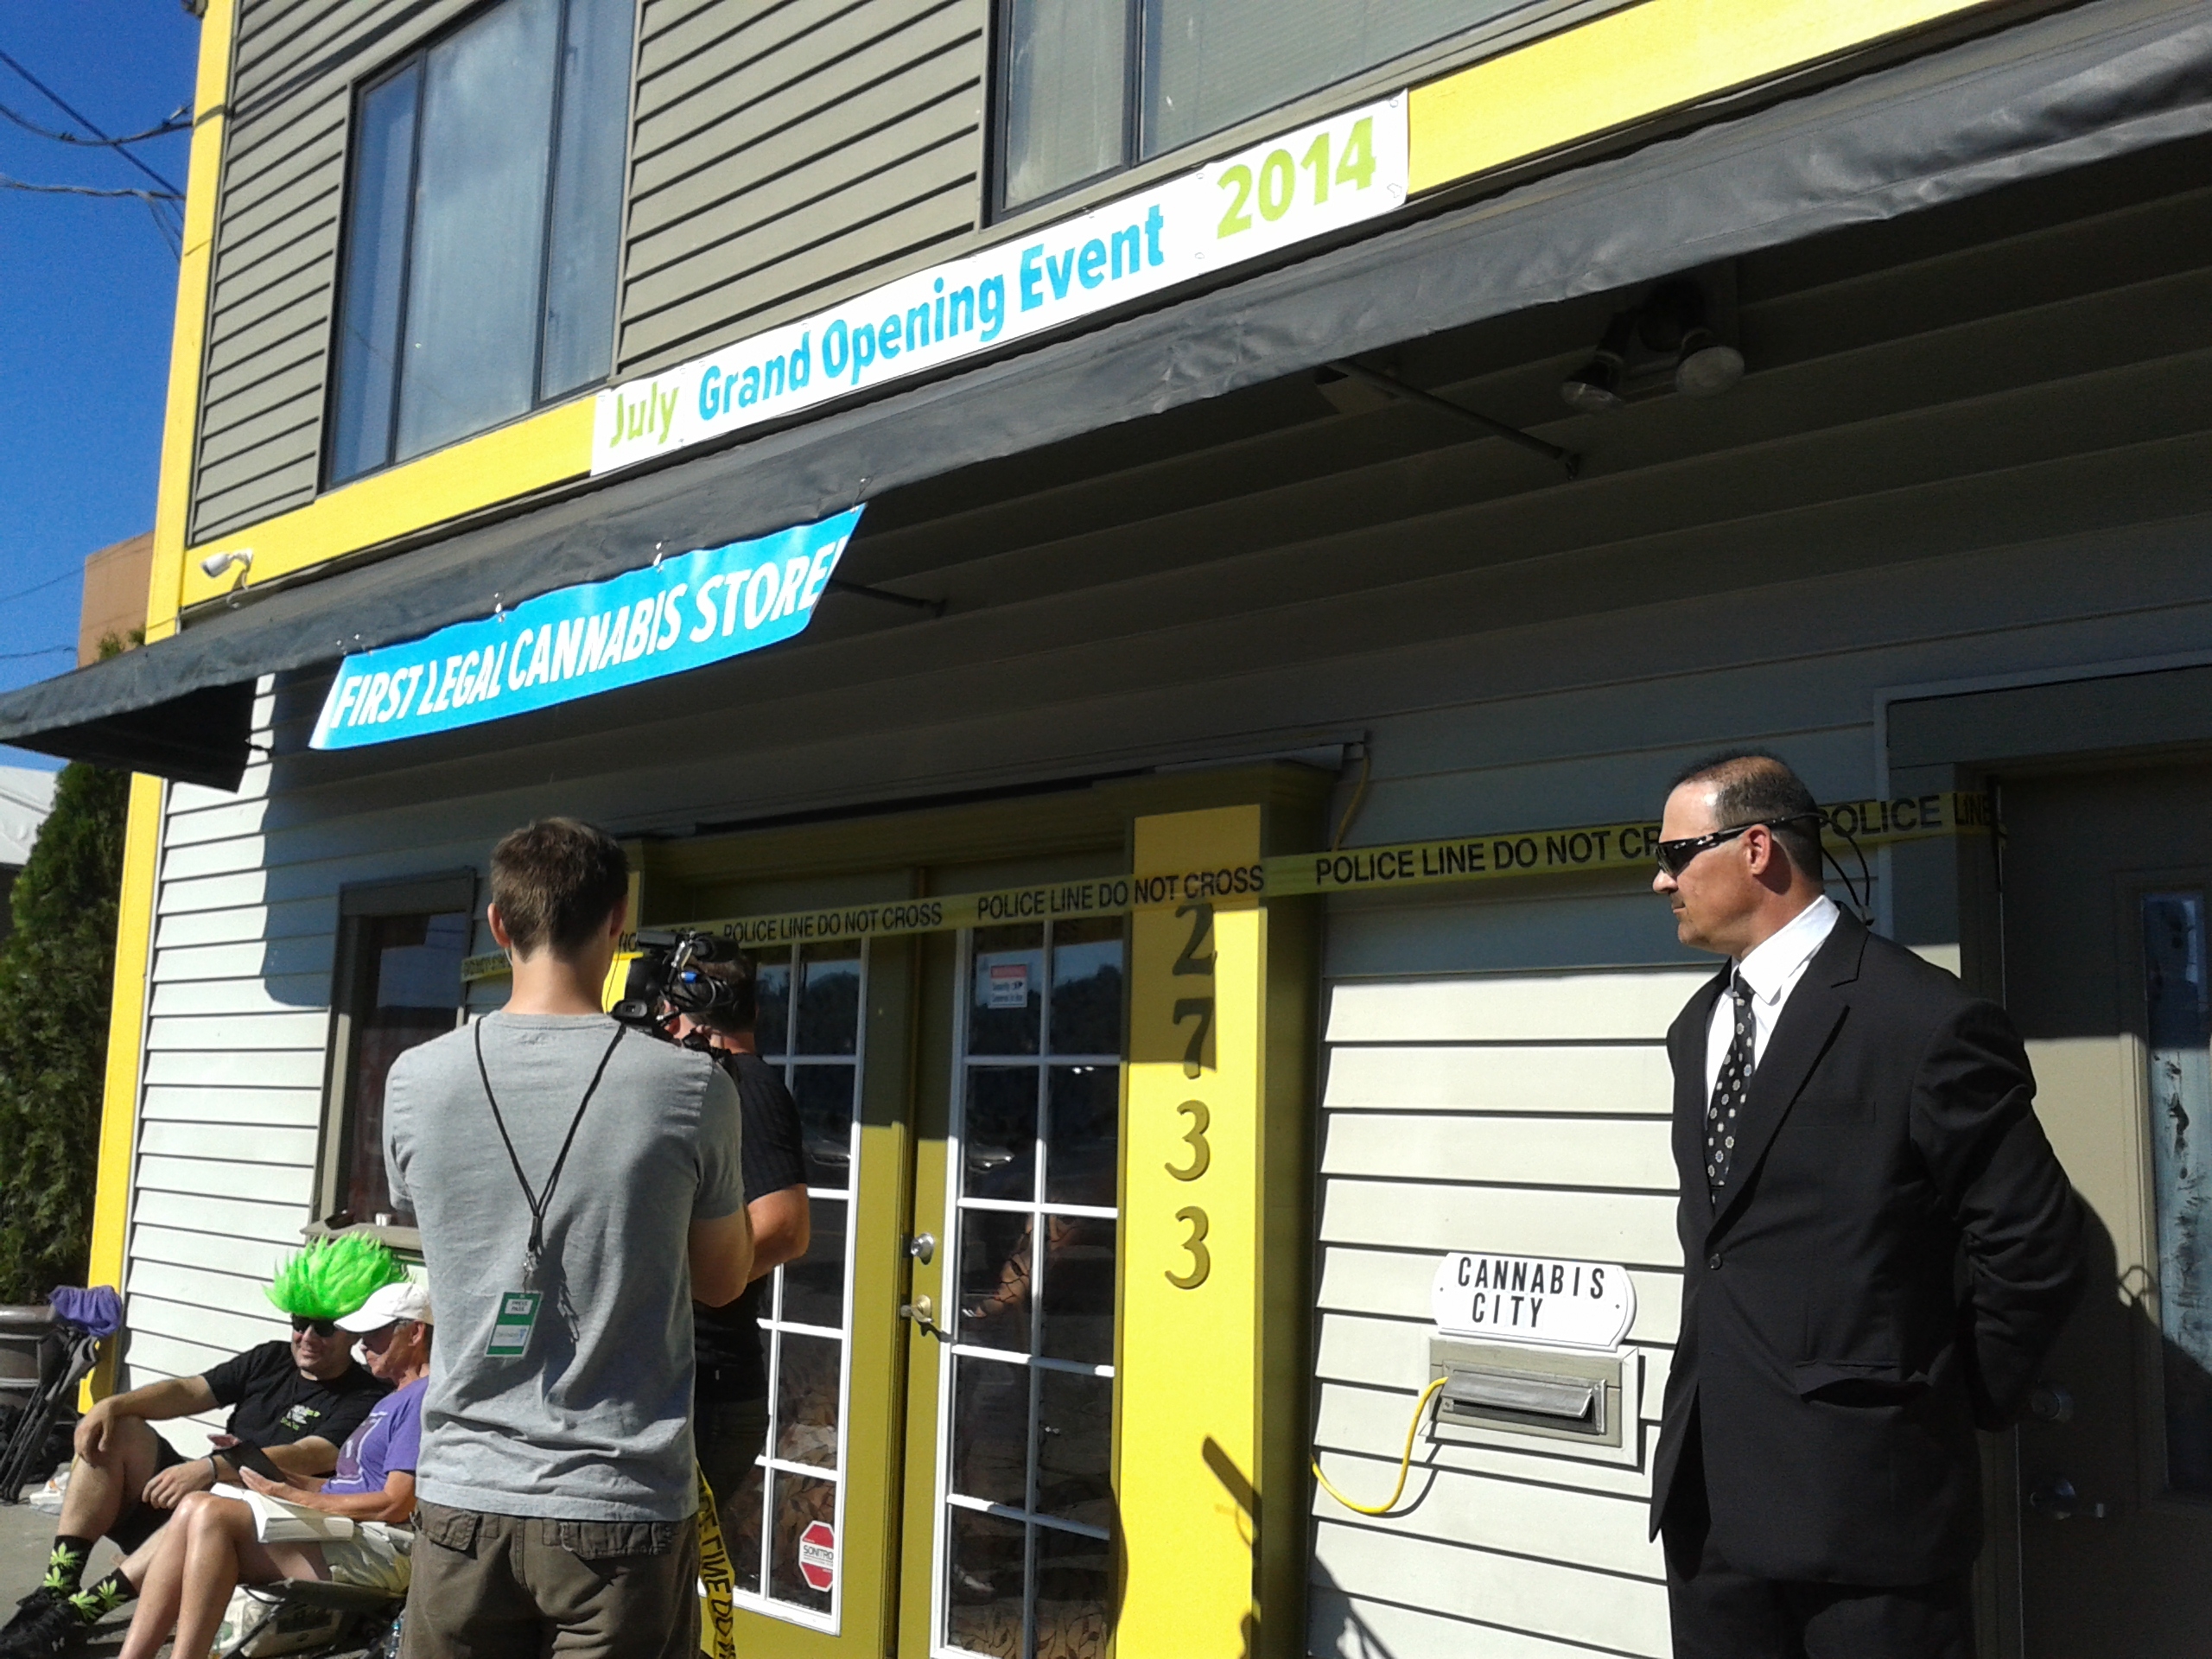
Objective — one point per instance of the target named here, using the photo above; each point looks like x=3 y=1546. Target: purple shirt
x=388 y=1438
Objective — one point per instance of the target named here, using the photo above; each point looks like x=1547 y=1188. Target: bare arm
x=722 y=1257
x=303 y=1463
x=394 y=1503
x=783 y=1226
x=177 y=1397
x=311 y=1456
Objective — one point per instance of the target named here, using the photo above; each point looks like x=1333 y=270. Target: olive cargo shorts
x=486 y=1586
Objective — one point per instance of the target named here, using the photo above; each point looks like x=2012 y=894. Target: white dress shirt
x=1771 y=969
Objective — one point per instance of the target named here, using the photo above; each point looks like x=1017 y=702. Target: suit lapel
x=1809 y=1020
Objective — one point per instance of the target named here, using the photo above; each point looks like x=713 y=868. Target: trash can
x=30 y=1348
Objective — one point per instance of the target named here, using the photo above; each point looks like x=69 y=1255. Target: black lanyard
x=539 y=1202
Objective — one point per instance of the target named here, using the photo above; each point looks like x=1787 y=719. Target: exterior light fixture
x=1597 y=384
x=215 y=563
x=1673 y=322
x=1708 y=366
x=1666 y=342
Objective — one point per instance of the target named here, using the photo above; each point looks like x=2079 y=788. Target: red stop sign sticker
x=817 y=1554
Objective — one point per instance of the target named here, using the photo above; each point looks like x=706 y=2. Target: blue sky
x=87 y=293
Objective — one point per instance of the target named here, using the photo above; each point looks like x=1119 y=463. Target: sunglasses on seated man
x=325 y=1328
x=1675 y=856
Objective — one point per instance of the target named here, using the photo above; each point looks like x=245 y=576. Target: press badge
x=511 y=1328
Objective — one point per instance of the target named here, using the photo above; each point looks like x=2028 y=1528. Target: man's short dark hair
x=556 y=882
x=1758 y=787
x=744 y=1011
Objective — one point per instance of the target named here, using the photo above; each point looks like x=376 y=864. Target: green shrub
x=57 y=971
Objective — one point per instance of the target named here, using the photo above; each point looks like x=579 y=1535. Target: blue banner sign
x=677 y=614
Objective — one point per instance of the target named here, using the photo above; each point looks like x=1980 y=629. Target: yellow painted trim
x=1188 y=1446
x=125 y=1026
x=1630 y=65
x=502 y=465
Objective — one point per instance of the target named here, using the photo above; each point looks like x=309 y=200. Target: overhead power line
x=7 y=183
x=50 y=650
x=179 y=122
x=38 y=587
x=68 y=108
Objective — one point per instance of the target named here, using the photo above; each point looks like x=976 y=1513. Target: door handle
x=2051 y=1403
x=2057 y=1498
x=919 y=1311
x=922 y=1247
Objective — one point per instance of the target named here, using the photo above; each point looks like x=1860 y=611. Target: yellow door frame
x=1252 y=1405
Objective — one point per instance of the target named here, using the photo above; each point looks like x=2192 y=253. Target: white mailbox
x=1532 y=1346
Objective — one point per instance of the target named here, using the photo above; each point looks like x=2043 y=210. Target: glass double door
x=938 y=1477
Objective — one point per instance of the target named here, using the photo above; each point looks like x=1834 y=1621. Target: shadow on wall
x=1334 y=1627
x=2124 y=1388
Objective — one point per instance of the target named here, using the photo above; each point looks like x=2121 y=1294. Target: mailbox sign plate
x=1542 y=1300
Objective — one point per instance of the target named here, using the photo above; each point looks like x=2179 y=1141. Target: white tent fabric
x=26 y=797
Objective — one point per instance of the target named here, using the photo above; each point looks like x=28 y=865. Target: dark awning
x=2077 y=86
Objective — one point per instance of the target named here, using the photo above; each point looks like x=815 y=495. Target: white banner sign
x=1534 y=1298
x=1321 y=178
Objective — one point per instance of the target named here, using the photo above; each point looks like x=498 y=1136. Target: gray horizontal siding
x=786 y=150
x=781 y=152
x=231 y=1098
x=1518 y=1113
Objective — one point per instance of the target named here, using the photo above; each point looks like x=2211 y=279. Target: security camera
x=215 y=563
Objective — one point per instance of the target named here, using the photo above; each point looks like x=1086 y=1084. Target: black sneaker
x=31 y=1606
x=52 y=1631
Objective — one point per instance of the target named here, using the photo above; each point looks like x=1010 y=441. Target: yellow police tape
x=718 y=1631
x=1510 y=855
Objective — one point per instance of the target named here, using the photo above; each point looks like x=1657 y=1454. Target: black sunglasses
x=1675 y=856
x=321 y=1327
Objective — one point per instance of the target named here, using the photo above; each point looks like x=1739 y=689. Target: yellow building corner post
x=1213 y=1361
x=142 y=844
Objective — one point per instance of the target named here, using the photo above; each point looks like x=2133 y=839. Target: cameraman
x=730 y=1399
x=577 y=1185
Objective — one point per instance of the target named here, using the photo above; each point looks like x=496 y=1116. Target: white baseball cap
x=403 y=1300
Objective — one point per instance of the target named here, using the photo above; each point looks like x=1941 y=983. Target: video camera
x=666 y=979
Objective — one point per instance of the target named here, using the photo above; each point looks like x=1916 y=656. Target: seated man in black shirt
x=293 y=1405
x=729 y=1400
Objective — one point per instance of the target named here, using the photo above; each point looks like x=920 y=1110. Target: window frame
x=1528 y=21
x=433 y=893
x=416 y=55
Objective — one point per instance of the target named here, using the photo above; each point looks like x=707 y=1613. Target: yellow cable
x=1405 y=1463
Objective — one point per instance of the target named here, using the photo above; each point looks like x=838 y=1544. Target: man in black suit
x=1878 y=1249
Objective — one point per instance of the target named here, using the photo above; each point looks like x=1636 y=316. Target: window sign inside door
x=2179 y=1029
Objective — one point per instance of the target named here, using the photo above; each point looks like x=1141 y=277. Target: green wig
x=334 y=1276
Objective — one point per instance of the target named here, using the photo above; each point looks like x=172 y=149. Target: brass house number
x=1198 y=1010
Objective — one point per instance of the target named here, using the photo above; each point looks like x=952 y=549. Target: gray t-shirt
x=593 y=1422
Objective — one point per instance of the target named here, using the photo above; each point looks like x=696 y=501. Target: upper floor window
x=1091 y=87
x=482 y=217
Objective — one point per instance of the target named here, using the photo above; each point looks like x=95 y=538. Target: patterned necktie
x=1728 y=1094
